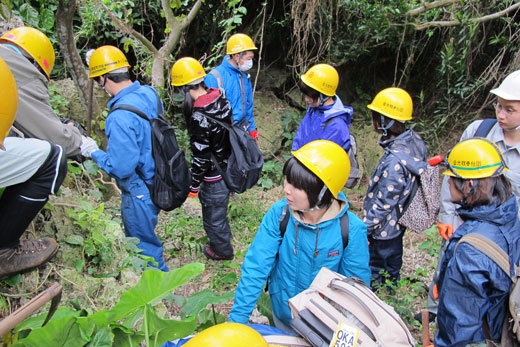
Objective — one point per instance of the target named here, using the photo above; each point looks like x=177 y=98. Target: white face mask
x=248 y=64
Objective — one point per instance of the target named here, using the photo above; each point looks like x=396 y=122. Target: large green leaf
x=153 y=286
x=58 y=332
x=124 y=337
x=162 y=330
x=198 y=301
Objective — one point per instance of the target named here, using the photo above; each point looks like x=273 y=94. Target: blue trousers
x=386 y=255
x=139 y=215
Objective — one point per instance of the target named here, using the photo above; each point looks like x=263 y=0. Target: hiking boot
x=208 y=252
x=431 y=316
x=29 y=254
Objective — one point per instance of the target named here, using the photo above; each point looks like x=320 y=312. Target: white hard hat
x=509 y=89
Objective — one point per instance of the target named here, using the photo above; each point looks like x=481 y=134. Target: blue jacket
x=231 y=77
x=471 y=286
x=331 y=122
x=129 y=139
x=391 y=184
x=295 y=267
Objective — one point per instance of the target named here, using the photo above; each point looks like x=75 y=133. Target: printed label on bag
x=345 y=336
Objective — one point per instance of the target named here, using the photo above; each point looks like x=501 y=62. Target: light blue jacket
x=129 y=139
x=231 y=77
x=331 y=122
x=296 y=266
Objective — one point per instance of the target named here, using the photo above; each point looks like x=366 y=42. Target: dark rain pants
x=386 y=255
x=214 y=197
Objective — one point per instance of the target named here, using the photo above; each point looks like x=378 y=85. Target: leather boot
x=28 y=255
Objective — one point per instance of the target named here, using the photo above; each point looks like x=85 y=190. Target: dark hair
x=187 y=106
x=114 y=77
x=489 y=190
x=308 y=91
x=302 y=178
x=395 y=130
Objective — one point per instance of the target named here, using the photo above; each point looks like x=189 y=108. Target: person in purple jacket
x=326 y=118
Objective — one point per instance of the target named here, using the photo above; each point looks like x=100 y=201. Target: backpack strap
x=485 y=127
x=215 y=73
x=489 y=248
x=343 y=222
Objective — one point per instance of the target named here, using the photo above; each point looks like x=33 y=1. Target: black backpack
x=172 y=178
x=245 y=161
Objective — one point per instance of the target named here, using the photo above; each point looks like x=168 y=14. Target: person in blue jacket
x=128 y=157
x=326 y=118
x=231 y=76
x=314 y=177
x=473 y=289
x=390 y=184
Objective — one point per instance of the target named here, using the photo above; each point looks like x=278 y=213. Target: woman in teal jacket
x=314 y=177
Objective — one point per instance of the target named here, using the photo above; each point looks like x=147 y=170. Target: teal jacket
x=297 y=263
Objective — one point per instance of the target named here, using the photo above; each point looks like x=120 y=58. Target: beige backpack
x=340 y=311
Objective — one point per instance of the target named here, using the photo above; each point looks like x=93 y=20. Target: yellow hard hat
x=239 y=43
x=106 y=59
x=328 y=161
x=322 y=77
x=187 y=71
x=35 y=43
x=228 y=335
x=394 y=103
x=474 y=158
x=8 y=101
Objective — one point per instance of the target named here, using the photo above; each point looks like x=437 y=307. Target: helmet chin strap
x=323 y=99
x=320 y=196
x=385 y=128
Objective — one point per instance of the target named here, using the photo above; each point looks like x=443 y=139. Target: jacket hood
x=498 y=215
x=338 y=208
x=337 y=109
x=409 y=148
x=212 y=104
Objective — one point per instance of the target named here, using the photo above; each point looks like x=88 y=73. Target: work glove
x=445 y=230
x=88 y=146
x=435 y=292
x=254 y=134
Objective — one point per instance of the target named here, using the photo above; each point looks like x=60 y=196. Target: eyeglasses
x=499 y=108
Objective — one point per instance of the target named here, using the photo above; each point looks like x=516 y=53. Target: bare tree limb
x=455 y=22
x=430 y=5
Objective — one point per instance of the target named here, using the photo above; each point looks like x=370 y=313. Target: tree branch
x=430 y=5
x=455 y=22
x=128 y=30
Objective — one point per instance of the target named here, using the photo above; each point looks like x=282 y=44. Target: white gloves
x=88 y=146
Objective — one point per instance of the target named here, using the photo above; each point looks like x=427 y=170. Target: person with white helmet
x=204 y=108
x=128 y=157
x=231 y=76
x=30 y=170
x=504 y=130
x=29 y=54
x=316 y=214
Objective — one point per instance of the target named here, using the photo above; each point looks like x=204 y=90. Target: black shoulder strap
x=485 y=127
x=343 y=222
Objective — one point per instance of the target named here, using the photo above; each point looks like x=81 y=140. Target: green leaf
x=198 y=301
x=167 y=329
x=264 y=306
x=103 y=338
x=90 y=167
x=74 y=239
x=154 y=284
x=46 y=19
x=58 y=332
x=124 y=337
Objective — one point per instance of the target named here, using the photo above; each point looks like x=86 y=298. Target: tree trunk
x=65 y=32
